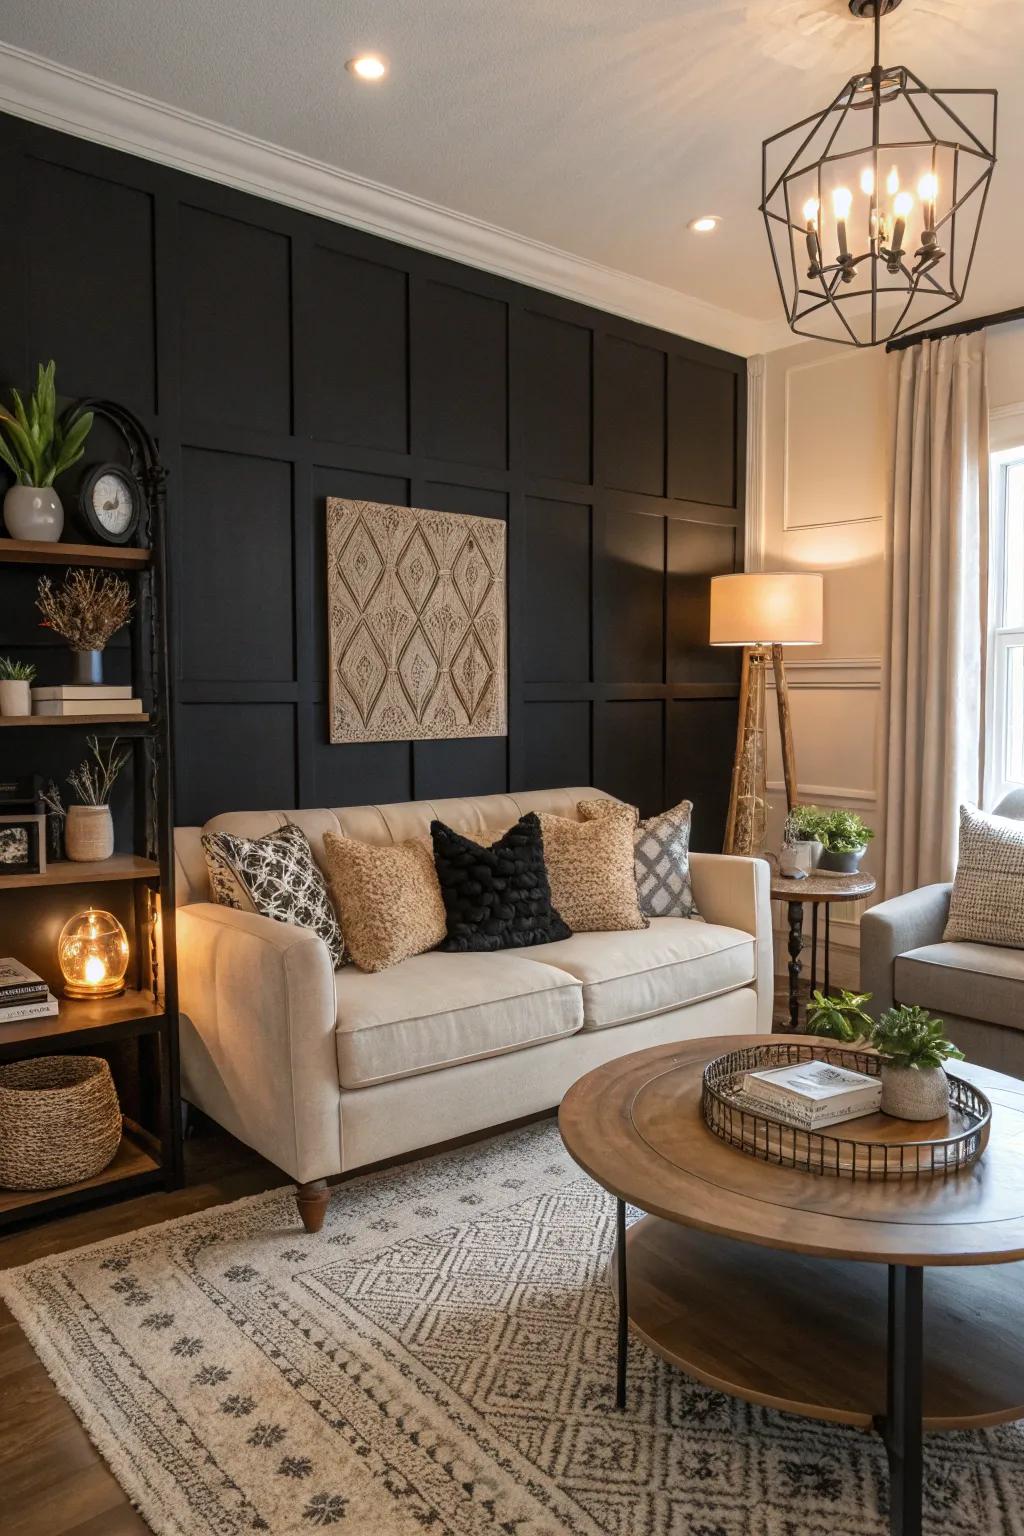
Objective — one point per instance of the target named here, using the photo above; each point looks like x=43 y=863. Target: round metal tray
x=874 y=1146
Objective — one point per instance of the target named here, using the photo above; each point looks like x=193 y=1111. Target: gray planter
x=32 y=512
x=842 y=863
x=87 y=667
x=915 y=1093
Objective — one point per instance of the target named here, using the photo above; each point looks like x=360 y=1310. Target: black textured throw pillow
x=496 y=897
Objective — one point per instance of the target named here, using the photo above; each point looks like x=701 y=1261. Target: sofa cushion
x=634 y=974
x=496 y=894
x=388 y=899
x=590 y=868
x=977 y=981
x=987 y=902
x=276 y=876
x=438 y=1009
x=661 y=847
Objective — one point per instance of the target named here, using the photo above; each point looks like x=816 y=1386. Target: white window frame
x=1008 y=448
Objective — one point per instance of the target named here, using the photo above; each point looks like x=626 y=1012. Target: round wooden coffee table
x=804 y=1291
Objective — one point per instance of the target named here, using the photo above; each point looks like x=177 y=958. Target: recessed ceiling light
x=705 y=224
x=368 y=66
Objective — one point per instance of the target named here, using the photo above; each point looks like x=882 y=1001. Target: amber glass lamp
x=93 y=954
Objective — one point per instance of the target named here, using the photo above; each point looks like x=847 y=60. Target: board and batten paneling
x=282 y=359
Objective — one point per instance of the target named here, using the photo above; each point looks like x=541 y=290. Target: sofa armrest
x=258 y=1049
x=893 y=927
x=735 y=891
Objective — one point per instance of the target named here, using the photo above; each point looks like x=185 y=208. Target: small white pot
x=34 y=512
x=915 y=1093
x=15 y=697
x=88 y=833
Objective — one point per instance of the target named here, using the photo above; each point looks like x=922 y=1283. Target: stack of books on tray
x=810 y=1094
x=85 y=699
x=23 y=994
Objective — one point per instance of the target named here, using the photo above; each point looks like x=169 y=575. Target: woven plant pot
x=60 y=1121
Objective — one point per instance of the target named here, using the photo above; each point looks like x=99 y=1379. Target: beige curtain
x=937 y=563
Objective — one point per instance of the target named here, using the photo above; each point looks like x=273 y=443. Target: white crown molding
x=46 y=92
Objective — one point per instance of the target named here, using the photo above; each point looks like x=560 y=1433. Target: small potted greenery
x=911 y=1043
x=37 y=445
x=844 y=841
x=16 y=686
x=801 y=835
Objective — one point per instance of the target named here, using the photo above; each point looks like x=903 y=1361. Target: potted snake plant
x=37 y=445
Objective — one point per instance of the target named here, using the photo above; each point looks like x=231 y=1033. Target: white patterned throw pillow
x=276 y=876
x=987 y=903
x=661 y=855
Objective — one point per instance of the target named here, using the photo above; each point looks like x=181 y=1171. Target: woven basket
x=60 y=1121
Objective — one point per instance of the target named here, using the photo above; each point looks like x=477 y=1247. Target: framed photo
x=22 y=845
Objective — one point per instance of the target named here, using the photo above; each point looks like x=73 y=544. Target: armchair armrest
x=735 y=891
x=258 y=1049
x=893 y=927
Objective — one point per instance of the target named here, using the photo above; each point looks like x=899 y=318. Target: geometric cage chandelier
x=873 y=205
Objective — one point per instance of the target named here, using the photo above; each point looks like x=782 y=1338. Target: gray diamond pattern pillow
x=987 y=903
x=661 y=855
x=276 y=876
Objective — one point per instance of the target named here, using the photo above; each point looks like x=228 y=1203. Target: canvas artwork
x=416 y=623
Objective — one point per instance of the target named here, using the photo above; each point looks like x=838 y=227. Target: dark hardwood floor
x=52 y=1482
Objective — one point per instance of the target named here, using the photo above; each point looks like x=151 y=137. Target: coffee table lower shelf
x=809 y=1335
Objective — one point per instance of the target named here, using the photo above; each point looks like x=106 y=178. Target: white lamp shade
x=767 y=608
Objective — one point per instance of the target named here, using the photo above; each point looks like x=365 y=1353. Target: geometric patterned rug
x=440 y=1359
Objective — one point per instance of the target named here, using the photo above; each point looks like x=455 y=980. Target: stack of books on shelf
x=85 y=699
x=23 y=994
x=810 y=1094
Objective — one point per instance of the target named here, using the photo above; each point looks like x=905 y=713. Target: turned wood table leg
x=796 y=930
x=313 y=1199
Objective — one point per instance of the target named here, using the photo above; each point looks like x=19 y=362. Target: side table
x=820 y=891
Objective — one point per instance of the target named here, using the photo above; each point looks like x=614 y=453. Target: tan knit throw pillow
x=387 y=898
x=590 y=868
x=987 y=904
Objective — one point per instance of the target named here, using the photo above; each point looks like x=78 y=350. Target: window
x=1005 y=745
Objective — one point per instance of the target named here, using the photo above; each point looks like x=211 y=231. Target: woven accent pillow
x=590 y=867
x=277 y=876
x=496 y=894
x=661 y=851
x=987 y=904
x=387 y=897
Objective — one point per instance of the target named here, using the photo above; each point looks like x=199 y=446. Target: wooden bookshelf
x=121 y=866
x=127 y=557
x=31 y=722
x=82 y=1022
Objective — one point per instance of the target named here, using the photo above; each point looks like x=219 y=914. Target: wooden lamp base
x=747 y=823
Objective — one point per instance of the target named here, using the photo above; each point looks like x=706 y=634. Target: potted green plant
x=913 y=1046
x=37 y=445
x=15 y=686
x=843 y=1017
x=801 y=836
x=844 y=840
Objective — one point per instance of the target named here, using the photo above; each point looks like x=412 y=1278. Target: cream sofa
x=324 y=1071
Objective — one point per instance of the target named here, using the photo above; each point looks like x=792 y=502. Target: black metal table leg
x=796 y=930
x=901 y=1427
x=623 y=1347
x=828 y=941
x=814 y=946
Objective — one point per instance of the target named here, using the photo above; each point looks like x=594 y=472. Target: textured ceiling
x=598 y=126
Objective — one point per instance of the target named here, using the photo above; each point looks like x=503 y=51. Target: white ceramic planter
x=88 y=833
x=915 y=1093
x=32 y=512
x=15 y=697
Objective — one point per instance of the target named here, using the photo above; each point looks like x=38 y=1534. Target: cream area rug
x=440 y=1359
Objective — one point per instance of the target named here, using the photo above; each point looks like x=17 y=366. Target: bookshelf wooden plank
x=131 y=1161
x=82 y=1021
x=32 y=721
x=121 y=866
x=35 y=552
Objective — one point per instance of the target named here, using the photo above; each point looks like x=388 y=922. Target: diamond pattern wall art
x=416 y=623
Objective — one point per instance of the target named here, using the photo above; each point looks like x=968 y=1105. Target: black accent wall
x=282 y=359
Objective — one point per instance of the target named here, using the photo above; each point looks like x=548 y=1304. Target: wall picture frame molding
x=417 y=623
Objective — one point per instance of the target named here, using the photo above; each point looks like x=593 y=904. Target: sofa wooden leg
x=312 y=1200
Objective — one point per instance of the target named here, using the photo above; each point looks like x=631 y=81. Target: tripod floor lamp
x=762 y=611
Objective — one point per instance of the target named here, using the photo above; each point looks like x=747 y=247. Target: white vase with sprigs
x=88 y=826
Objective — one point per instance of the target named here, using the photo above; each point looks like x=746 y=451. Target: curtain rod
x=962 y=328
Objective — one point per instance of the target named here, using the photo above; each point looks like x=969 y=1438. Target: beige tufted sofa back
x=369 y=823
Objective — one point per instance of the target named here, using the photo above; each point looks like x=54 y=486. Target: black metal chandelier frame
x=872 y=90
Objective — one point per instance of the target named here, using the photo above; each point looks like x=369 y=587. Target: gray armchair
x=977 y=988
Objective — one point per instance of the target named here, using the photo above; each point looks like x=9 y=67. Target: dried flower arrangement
x=87 y=610
x=93 y=781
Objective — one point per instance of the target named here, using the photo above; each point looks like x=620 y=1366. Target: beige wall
x=823 y=475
